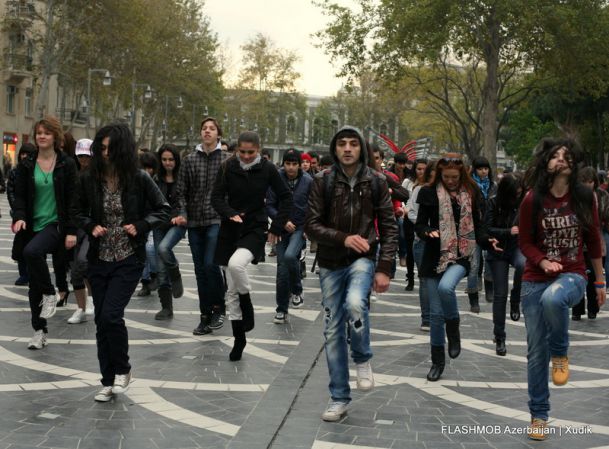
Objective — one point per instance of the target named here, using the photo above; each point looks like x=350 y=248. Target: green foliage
x=524 y=132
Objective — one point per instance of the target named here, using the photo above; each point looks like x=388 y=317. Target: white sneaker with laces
x=335 y=411
x=77 y=317
x=104 y=395
x=365 y=379
x=90 y=308
x=280 y=318
x=48 y=304
x=121 y=383
x=38 y=341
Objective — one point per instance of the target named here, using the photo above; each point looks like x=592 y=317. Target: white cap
x=83 y=146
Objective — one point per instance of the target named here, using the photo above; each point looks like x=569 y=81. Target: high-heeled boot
x=438 y=360
x=240 y=341
x=454 y=338
x=247 y=311
x=474 y=302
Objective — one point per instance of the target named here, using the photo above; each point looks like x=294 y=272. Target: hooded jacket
x=300 y=199
x=351 y=211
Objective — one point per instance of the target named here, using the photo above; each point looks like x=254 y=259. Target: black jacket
x=143 y=206
x=64 y=182
x=501 y=229
x=428 y=219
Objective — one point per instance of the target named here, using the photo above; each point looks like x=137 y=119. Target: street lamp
x=147 y=96
x=107 y=81
x=179 y=105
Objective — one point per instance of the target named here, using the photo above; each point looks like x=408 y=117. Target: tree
x=499 y=43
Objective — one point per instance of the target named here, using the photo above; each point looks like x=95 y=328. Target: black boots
x=438 y=359
x=474 y=304
x=454 y=338
x=500 y=348
x=166 y=311
x=177 y=288
x=240 y=342
x=247 y=311
x=203 y=327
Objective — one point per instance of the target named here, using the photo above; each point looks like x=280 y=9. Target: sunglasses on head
x=453 y=160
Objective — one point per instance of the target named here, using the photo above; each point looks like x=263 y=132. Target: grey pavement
x=187 y=394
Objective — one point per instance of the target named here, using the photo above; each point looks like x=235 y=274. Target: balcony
x=19 y=13
x=17 y=66
x=75 y=116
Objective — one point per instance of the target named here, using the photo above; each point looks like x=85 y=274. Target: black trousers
x=590 y=297
x=35 y=253
x=112 y=285
x=409 y=234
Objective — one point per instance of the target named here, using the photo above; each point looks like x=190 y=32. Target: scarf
x=453 y=246
x=251 y=164
x=484 y=184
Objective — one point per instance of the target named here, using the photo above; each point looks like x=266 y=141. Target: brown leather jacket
x=351 y=211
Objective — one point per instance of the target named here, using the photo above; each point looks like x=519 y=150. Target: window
x=27 y=105
x=291 y=125
x=11 y=92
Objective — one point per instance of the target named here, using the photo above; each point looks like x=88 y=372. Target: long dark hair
x=540 y=180
x=176 y=157
x=121 y=153
x=508 y=198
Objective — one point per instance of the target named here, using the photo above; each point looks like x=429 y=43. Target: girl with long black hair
x=557 y=218
x=117 y=205
x=501 y=218
x=167 y=236
x=43 y=192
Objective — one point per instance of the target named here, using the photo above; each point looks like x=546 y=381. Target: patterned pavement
x=188 y=395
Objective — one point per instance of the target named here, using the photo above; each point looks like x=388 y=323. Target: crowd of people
x=111 y=218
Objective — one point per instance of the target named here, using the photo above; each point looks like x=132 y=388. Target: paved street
x=188 y=395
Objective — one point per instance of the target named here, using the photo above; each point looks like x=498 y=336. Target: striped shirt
x=195 y=182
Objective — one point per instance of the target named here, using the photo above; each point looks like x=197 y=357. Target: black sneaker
x=217 y=320
x=280 y=318
x=576 y=317
x=203 y=327
x=297 y=301
x=591 y=315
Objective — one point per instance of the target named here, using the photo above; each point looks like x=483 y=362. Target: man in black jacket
x=345 y=203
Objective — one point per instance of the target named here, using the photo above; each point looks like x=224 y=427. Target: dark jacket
x=143 y=206
x=351 y=211
x=428 y=219
x=300 y=199
x=243 y=192
x=10 y=188
x=64 y=182
x=500 y=228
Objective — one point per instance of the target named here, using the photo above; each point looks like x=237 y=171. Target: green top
x=45 y=206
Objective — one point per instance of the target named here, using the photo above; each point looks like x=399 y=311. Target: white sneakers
x=104 y=395
x=48 y=304
x=121 y=383
x=365 y=379
x=335 y=411
x=90 y=308
x=78 y=317
x=38 y=341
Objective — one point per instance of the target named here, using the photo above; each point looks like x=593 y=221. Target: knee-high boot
x=438 y=359
x=474 y=302
x=247 y=311
x=240 y=341
x=454 y=338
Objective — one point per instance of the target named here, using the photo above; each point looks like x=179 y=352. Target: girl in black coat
x=239 y=198
x=43 y=191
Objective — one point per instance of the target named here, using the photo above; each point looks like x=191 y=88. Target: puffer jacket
x=143 y=206
x=351 y=211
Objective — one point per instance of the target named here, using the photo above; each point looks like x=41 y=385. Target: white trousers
x=237 y=281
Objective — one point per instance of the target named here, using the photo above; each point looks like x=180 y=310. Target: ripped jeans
x=345 y=294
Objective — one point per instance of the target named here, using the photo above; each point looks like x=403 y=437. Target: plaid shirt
x=195 y=182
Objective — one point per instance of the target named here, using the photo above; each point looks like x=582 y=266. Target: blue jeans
x=472 y=277
x=210 y=284
x=500 y=268
x=345 y=293
x=417 y=249
x=443 y=301
x=164 y=242
x=288 y=269
x=545 y=306
x=150 y=265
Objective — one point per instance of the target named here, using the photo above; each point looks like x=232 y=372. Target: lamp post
x=106 y=82
x=147 y=96
x=179 y=105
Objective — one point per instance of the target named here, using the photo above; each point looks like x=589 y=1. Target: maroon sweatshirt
x=559 y=238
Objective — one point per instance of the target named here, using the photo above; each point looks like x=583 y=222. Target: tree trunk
x=490 y=96
x=47 y=63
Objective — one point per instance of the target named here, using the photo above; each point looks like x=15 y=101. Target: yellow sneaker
x=560 y=370
x=538 y=429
